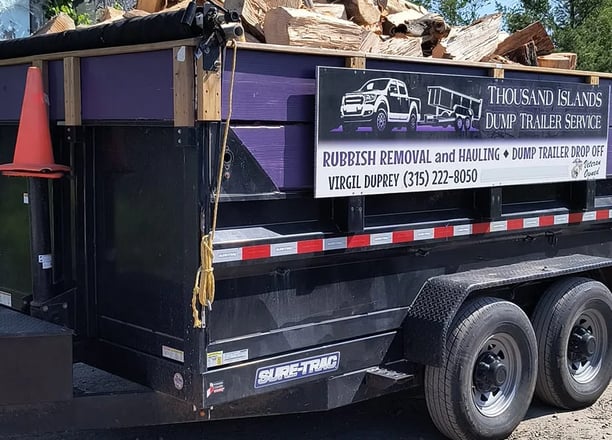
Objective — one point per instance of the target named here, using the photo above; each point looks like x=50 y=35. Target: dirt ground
x=590 y=423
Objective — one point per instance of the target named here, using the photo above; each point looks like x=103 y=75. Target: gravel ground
x=590 y=423
x=389 y=418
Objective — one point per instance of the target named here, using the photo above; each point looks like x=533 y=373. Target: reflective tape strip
x=278 y=249
x=330 y=244
x=404 y=236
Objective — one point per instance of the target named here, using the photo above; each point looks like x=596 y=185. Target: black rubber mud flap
x=438 y=301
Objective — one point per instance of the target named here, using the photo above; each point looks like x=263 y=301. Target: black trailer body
x=320 y=300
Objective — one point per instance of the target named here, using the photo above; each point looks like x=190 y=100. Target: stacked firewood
x=388 y=27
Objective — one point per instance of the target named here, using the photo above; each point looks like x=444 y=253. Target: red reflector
x=515 y=223
x=602 y=214
x=308 y=246
x=576 y=217
x=403 y=236
x=547 y=220
x=444 y=232
x=254 y=252
x=358 y=241
x=481 y=228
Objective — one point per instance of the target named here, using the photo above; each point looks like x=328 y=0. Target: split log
x=431 y=27
x=109 y=14
x=300 y=27
x=559 y=60
x=60 y=23
x=526 y=54
x=396 y=6
x=177 y=6
x=135 y=13
x=150 y=5
x=253 y=12
x=497 y=59
x=473 y=42
x=332 y=9
x=534 y=32
x=362 y=12
x=392 y=21
x=406 y=46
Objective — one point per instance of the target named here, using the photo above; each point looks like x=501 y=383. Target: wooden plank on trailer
x=497 y=73
x=593 y=80
x=208 y=94
x=42 y=66
x=72 y=91
x=356 y=62
x=184 y=86
x=102 y=51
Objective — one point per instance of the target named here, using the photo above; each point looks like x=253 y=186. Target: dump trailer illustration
x=163 y=256
x=452 y=108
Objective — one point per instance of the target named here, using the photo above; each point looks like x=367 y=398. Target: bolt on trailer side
x=320 y=301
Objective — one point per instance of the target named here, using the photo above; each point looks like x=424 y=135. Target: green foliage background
x=580 y=26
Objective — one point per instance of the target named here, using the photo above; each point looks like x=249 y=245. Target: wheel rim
x=587 y=345
x=459 y=123
x=496 y=375
x=381 y=121
x=412 y=123
x=468 y=124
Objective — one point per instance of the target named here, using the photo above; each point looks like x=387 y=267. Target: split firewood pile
x=390 y=27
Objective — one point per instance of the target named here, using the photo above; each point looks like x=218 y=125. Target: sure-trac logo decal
x=298 y=369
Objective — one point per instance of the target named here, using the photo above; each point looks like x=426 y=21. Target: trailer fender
x=440 y=298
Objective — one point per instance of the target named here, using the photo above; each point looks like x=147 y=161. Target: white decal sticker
x=173 y=353
x=214 y=359
x=46 y=261
x=5 y=299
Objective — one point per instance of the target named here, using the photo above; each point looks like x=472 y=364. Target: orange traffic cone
x=33 y=152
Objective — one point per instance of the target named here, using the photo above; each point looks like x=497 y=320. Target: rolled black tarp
x=166 y=26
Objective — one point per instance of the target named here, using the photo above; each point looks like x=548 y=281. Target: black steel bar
x=40 y=241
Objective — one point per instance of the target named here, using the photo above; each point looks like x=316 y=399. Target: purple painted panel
x=286 y=153
x=128 y=86
x=12 y=85
x=55 y=70
x=271 y=86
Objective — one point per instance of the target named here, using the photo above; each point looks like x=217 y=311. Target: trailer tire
x=380 y=123
x=412 y=122
x=467 y=124
x=459 y=124
x=573 y=325
x=486 y=381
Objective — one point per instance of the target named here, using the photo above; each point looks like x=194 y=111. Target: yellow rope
x=204 y=287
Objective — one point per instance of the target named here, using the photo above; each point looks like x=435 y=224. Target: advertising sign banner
x=389 y=132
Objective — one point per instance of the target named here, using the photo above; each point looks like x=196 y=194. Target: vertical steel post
x=40 y=241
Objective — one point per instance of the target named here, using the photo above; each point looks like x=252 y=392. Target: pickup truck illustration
x=379 y=103
x=452 y=108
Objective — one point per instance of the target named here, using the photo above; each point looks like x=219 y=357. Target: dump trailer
x=187 y=233
x=452 y=108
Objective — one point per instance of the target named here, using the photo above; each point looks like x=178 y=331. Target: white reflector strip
x=499 y=226
x=424 y=234
x=277 y=249
x=226 y=255
x=334 y=243
x=532 y=222
x=589 y=216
